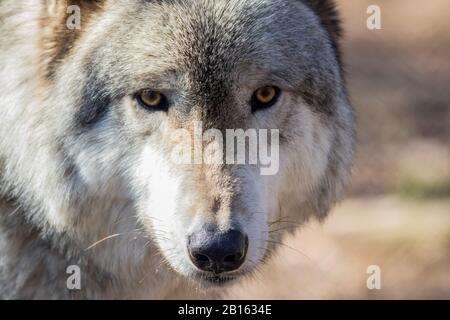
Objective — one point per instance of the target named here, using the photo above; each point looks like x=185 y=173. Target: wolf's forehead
x=206 y=40
x=209 y=50
x=213 y=36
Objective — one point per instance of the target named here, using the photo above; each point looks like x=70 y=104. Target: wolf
x=87 y=118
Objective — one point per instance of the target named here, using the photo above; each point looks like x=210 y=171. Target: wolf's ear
x=329 y=16
x=61 y=22
x=57 y=7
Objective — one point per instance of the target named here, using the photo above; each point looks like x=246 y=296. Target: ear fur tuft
x=329 y=17
x=56 y=38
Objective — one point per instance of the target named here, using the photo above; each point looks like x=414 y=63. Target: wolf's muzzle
x=214 y=251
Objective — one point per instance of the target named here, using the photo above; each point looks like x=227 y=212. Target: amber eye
x=152 y=100
x=265 y=97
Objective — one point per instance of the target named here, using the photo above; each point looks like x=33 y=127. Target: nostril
x=231 y=258
x=201 y=258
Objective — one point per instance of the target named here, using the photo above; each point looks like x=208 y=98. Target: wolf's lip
x=217 y=279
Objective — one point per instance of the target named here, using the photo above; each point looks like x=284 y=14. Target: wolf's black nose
x=214 y=251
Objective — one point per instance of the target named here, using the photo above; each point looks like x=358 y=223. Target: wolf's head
x=145 y=100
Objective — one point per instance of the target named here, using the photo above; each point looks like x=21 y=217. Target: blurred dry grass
x=408 y=240
x=399 y=81
x=398 y=216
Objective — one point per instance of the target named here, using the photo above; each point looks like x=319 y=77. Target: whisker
x=102 y=240
x=294 y=249
x=256 y=272
x=282 y=229
x=285 y=221
x=112 y=236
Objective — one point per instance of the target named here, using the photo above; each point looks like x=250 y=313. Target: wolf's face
x=139 y=82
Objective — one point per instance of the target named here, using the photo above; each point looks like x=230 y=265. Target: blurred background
x=397 y=213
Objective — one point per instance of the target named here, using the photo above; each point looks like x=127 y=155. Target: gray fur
x=70 y=143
